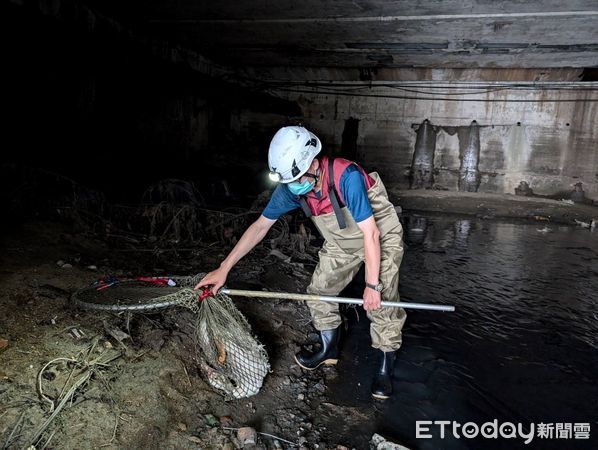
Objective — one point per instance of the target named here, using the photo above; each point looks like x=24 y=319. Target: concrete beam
x=418 y=18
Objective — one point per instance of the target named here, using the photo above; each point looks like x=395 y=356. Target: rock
x=524 y=189
x=313 y=337
x=228 y=446
x=295 y=370
x=280 y=255
x=194 y=439
x=226 y=421
x=320 y=387
x=583 y=224
x=60 y=263
x=379 y=443
x=300 y=397
x=181 y=426
x=211 y=420
x=92 y=267
x=247 y=436
x=67 y=266
x=3 y=344
x=578 y=194
x=155 y=339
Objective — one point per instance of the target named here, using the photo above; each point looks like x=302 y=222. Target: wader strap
x=304 y=207
x=333 y=196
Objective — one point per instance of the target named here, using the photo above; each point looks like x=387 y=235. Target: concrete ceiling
x=373 y=33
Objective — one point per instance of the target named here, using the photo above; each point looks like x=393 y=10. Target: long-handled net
x=233 y=360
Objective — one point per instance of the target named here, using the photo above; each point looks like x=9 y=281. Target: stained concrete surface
x=538 y=135
x=491 y=206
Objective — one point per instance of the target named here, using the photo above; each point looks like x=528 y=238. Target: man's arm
x=371 y=243
x=354 y=192
x=252 y=236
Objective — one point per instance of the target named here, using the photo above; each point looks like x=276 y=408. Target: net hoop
x=153 y=294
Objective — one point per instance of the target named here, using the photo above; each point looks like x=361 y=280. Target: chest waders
x=341 y=257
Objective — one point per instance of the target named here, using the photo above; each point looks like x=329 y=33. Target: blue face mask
x=301 y=188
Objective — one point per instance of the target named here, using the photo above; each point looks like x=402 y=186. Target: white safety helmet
x=291 y=152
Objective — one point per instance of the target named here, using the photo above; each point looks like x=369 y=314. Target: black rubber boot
x=382 y=385
x=328 y=353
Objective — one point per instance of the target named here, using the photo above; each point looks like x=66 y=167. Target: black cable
x=350 y=94
x=458 y=85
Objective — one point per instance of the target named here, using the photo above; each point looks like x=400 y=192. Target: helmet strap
x=315 y=176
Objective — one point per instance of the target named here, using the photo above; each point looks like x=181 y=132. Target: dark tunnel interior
x=164 y=284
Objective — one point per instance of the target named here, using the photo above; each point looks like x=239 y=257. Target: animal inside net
x=233 y=360
x=236 y=362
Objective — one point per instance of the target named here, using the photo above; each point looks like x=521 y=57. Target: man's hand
x=371 y=299
x=216 y=279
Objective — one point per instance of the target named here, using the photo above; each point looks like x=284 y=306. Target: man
x=366 y=229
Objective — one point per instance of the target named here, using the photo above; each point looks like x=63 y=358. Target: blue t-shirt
x=352 y=190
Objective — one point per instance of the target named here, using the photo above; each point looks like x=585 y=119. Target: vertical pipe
x=422 y=167
x=469 y=175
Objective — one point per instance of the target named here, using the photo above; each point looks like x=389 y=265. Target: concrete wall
x=541 y=137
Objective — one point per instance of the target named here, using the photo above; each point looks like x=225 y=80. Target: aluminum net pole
x=332 y=299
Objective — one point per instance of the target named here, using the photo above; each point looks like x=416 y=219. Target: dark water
x=522 y=346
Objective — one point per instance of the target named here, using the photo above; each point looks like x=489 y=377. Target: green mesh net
x=232 y=359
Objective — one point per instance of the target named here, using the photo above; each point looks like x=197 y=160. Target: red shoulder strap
x=332 y=194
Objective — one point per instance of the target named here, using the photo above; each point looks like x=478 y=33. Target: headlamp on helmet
x=275 y=176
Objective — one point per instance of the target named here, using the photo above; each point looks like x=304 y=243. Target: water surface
x=522 y=345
